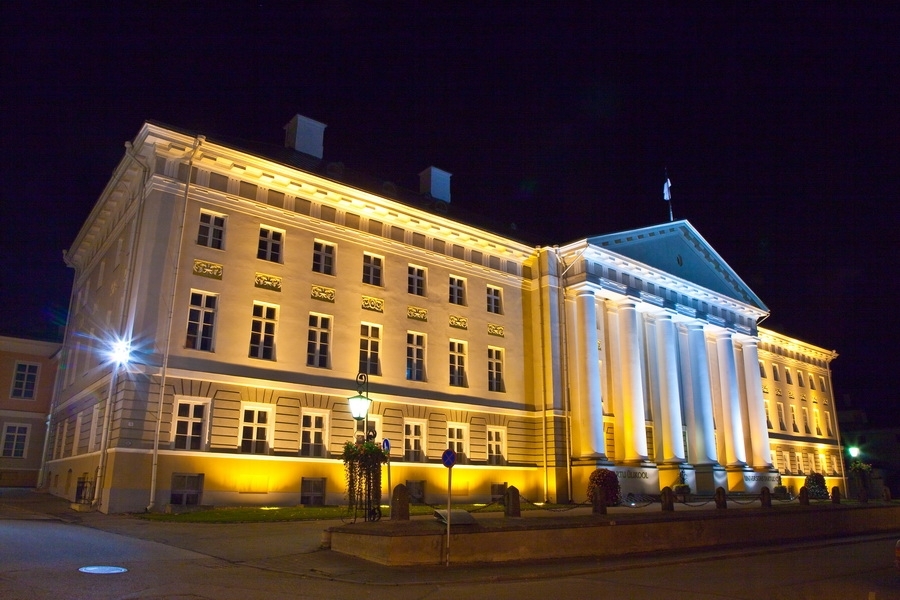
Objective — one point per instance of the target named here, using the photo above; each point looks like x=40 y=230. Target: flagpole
x=667 y=195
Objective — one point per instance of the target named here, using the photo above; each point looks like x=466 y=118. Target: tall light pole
x=359 y=410
x=119 y=355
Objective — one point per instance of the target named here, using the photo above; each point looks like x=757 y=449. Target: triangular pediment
x=678 y=249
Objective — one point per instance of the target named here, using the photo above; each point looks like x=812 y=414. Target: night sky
x=777 y=123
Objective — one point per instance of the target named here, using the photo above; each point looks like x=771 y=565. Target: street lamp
x=854 y=451
x=359 y=404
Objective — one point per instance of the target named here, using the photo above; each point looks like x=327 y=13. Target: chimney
x=305 y=135
x=436 y=182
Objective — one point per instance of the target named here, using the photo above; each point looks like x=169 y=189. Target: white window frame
x=768 y=418
x=409 y=425
x=781 y=422
x=794 y=427
x=496 y=448
x=267 y=335
x=828 y=430
x=458 y=350
x=416 y=343
x=370 y=348
x=324 y=257
x=416 y=280
x=805 y=412
x=458 y=439
x=313 y=414
x=269 y=426
x=197 y=319
x=208 y=230
x=191 y=402
x=373 y=422
x=318 y=341
x=18 y=389
x=495 y=382
x=457 y=290
x=494 y=299
x=373 y=269
x=14 y=435
x=271 y=244
x=787 y=376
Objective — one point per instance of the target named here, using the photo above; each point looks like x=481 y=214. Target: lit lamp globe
x=359 y=406
x=854 y=451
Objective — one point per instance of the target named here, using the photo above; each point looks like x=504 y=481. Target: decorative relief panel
x=495 y=330
x=370 y=303
x=765 y=389
x=459 y=322
x=414 y=312
x=318 y=292
x=791 y=394
x=207 y=269
x=268 y=282
x=777 y=391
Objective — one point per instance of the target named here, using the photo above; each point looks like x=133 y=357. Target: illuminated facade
x=27 y=373
x=255 y=284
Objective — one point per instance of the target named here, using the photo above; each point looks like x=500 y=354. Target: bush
x=609 y=481
x=815 y=486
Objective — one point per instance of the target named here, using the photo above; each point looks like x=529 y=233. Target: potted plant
x=780 y=489
x=682 y=487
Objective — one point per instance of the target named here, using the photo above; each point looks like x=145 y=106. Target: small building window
x=187 y=489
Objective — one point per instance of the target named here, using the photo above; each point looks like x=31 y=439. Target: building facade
x=27 y=374
x=252 y=285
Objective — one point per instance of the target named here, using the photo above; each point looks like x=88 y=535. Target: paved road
x=43 y=543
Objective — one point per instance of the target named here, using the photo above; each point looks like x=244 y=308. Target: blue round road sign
x=448 y=458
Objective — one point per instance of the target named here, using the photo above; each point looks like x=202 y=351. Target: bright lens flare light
x=120 y=352
x=854 y=451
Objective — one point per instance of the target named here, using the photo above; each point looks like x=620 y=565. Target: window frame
x=314 y=414
x=19 y=386
x=265 y=346
x=458 y=350
x=494 y=299
x=195 y=341
x=373 y=269
x=324 y=258
x=418 y=454
x=495 y=368
x=317 y=348
x=370 y=348
x=457 y=290
x=205 y=421
x=269 y=427
x=416 y=280
x=211 y=241
x=496 y=458
x=271 y=244
x=458 y=444
x=416 y=344
x=17 y=450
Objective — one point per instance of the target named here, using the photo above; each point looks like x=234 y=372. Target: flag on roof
x=667 y=190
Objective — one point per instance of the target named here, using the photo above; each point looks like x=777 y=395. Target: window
x=323 y=258
x=212 y=230
x=318 y=341
x=812 y=385
x=794 y=420
x=787 y=377
x=270 y=242
x=186 y=489
x=201 y=321
x=828 y=424
x=822 y=384
x=494 y=300
x=15 y=438
x=190 y=424
x=415 y=280
x=457 y=440
x=24 y=381
x=818 y=421
x=457 y=290
x=255 y=430
x=781 y=417
x=312 y=434
x=457 y=363
x=495 y=369
x=370 y=423
x=262 y=332
x=372 y=267
x=369 y=347
x=312 y=491
x=805 y=420
x=496 y=449
x=414 y=441
x=775 y=373
x=762 y=370
x=800 y=379
x=768 y=420
x=415 y=356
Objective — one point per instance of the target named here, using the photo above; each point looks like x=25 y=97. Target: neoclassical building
x=253 y=283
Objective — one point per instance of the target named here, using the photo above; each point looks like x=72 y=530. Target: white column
x=587 y=361
x=733 y=427
x=634 y=420
x=756 y=406
x=669 y=399
x=698 y=404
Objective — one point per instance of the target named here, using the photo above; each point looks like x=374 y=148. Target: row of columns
x=681 y=373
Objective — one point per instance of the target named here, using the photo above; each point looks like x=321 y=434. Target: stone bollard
x=721 y=501
x=667 y=499
x=886 y=494
x=804 y=496
x=512 y=504
x=400 y=503
x=765 y=498
x=599 y=507
x=835 y=495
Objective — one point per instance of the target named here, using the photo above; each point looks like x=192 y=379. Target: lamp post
x=359 y=409
x=119 y=355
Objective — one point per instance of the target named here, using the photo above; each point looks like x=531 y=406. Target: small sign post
x=386 y=446
x=449 y=459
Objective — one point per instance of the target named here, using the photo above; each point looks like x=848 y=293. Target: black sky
x=777 y=123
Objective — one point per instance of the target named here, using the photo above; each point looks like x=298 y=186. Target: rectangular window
x=812 y=384
x=415 y=356
x=494 y=300
x=212 y=230
x=457 y=290
x=15 y=438
x=805 y=420
x=318 y=341
x=190 y=425
x=828 y=424
x=781 y=417
x=496 y=445
x=817 y=421
x=794 y=420
x=372 y=267
x=414 y=441
x=312 y=491
x=270 y=244
x=369 y=348
x=323 y=258
x=457 y=363
x=312 y=434
x=457 y=440
x=800 y=379
x=787 y=377
x=775 y=373
x=364 y=427
x=255 y=431
x=495 y=369
x=768 y=420
x=201 y=321
x=415 y=280
x=262 y=331
x=822 y=384
x=24 y=381
x=186 y=489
